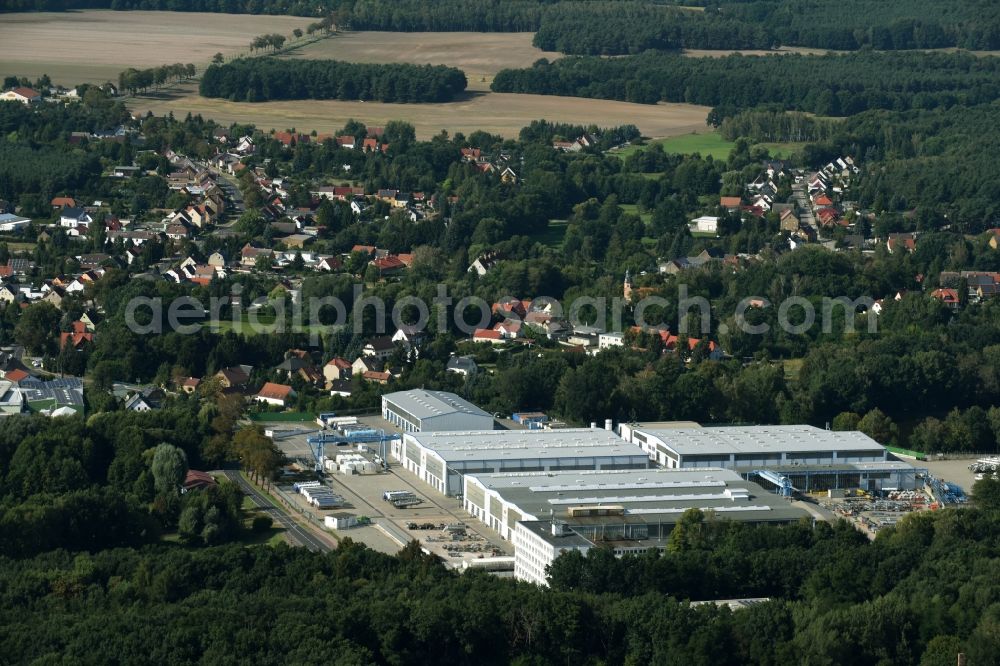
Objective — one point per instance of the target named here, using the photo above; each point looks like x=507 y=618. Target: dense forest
x=264 y=79
x=919 y=594
x=830 y=85
x=626 y=26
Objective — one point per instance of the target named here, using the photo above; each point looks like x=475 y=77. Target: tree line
x=828 y=85
x=603 y=27
x=263 y=79
x=763 y=125
x=135 y=80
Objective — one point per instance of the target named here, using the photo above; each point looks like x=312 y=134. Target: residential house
x=277 y=395
x=730 y=204
x=488 y=335
x=249 y=255
x=408 y=336
x=178 y=232
x=509 y=329
x=947 y=296
x=484 y=263
x=336 y=369
x=706 y=224
x=22 y=95
x=328 y=263
x=380 y=347
x=297 y=363
x=137 y=403
x=195 y=480
x=245 y=146
x=125 y=171
x=234 y=377
x=789 y=221
x=72 y=218
x=54 y=297
x=9 y=293
x=62 y=202
x=363 y=364
x=77 y=337
x=462 y=365
x=375 y=377
x=904 y=241
x=512 y=308
x=190 y=385
x=341 y=387
x=609 y=340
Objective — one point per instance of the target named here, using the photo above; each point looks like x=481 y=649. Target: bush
x=261 y=523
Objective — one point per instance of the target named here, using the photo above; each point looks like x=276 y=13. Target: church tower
x=627 y=287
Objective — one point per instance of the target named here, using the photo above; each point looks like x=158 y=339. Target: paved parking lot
x=363 y=495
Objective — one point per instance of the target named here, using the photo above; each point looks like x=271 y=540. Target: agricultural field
x=498 y=113
x=480 y=55
x=93 y=46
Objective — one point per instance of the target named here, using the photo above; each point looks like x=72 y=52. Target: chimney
x=608 y=425
x=558 y=528
x=593 y=425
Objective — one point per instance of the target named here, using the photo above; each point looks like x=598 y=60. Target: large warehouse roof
x=424 y=404
x=527 y=444
x=650 y=495
x=759 y=439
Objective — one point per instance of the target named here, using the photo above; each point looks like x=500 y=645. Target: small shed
x=340 y=521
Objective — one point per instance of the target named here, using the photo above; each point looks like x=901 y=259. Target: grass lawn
x=554 y=235
x=633 y=209
x=792 y=368
x=17 y=246
x=706 y=144
x=709 y=143
x=283 y=417
x=783 y=151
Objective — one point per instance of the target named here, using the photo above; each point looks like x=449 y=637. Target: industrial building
x=441 y=459
x=423 y=411
x=630 y=510
x=631 y=503
x=797 y=457
x=736 y=447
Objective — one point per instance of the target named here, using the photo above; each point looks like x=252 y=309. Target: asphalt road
x=297 y=534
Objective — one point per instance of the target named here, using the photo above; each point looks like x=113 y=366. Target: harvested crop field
x=479 y=54
x=498 y=113
x=93 y=46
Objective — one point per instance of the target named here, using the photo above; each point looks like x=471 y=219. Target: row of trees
x=273 y=41
x=263 y=79
x=828 y=85
x=136 y=80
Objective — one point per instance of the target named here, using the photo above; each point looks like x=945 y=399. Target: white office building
x=442 y=459
x=537 y=544
x=422 y=411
